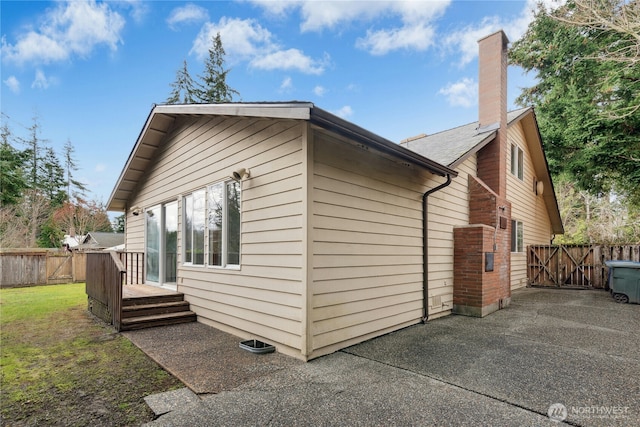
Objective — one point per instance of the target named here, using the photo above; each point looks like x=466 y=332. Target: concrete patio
x=568 y=356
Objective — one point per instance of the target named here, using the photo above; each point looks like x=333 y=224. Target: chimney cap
x=505 y=39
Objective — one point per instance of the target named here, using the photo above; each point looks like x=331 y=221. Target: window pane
x=171 y=241
x=233 y=223
x=520 y=238
x=520 y=163
x=513 y=236
x=215 y=224
x=198 y=227
x=514 y=157
x=188 y=229
x=153 y=243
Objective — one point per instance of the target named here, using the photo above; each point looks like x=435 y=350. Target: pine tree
x=52 y=182
x=33 y=154
x=12 y=181
x=214 y=87
x=70 y=167
x=183 y=88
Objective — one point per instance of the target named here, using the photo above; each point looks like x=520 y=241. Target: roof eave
x=342 y=127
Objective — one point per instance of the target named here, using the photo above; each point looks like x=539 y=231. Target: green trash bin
x=624 y=280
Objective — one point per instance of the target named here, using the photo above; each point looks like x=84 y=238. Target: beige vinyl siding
x=367 y=245
x=134 y=232
x=527 y=207
x=448 y=208
x=264 y=295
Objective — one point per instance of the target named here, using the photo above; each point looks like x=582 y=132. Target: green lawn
x=59 y=365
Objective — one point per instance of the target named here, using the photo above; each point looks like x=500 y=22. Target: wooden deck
x=143 y=291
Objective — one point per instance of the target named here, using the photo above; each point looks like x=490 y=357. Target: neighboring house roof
x=162 y=117
x=100 y=240
x=71 y=241
x=452 y=147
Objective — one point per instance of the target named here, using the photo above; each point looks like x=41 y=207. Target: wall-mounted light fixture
x=240 y=174
x=136 y=210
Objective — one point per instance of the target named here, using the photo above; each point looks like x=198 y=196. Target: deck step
x=145 y=309
x=152 y=299
x=141 y=310
x=142 y=322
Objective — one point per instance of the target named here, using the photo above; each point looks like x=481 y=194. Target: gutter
x=425 y=251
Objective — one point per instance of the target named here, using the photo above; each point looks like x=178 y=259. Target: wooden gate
x=570 y=266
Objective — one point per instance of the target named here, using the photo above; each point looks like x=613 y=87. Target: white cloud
x=414 y=29
x=344 y=112
x=72 y=28
x=290 y=59
x=416 y=37
x=319 y=90
x=246 y=40
x=139 y=9
x=465 y=40
x=187 y=14
x=286 y=85
x=463 y=93
x=13 y=84
x=100 y=167
x=41 y=81
x=242 y=39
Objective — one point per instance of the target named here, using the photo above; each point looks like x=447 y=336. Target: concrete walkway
x=572 y=354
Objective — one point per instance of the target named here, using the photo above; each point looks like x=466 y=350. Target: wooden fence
x=25 y=267
x=581 y=266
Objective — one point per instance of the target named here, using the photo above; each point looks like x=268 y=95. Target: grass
x=60 y=366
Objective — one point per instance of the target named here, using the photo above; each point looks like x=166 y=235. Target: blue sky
x=91 y=71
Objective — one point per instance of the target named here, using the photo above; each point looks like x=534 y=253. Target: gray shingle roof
x=450 y=146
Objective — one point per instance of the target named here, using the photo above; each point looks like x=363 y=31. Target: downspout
x=425 y=251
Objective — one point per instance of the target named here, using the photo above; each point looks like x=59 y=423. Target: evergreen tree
x=214 y=87
x=12 y=181
x=119 y=224
x=183 y=88
x=70 y=167
x=51 y=181
x=33 y=155
x=578 y=93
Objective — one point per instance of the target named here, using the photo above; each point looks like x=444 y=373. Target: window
x=517 y=236
x=194 y=220
x=224 y=223
x=517 y=161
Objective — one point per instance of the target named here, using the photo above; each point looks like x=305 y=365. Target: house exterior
x=284 y=223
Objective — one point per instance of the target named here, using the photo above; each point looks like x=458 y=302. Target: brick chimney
x=482 y=250
x=492 y=109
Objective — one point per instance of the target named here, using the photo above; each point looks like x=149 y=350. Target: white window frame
x=225 y=261
x=185 y=231
x=517 y=161
x=517 y=236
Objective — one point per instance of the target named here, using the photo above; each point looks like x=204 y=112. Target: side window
x=517 y=236
x=517 y=161
x=194 y=224
x=224 y=223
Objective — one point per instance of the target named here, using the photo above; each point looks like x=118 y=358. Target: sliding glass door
x=161 y=244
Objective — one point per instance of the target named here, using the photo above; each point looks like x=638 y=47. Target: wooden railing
x=575 y=265
x=134 y=264
x=105 y=277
